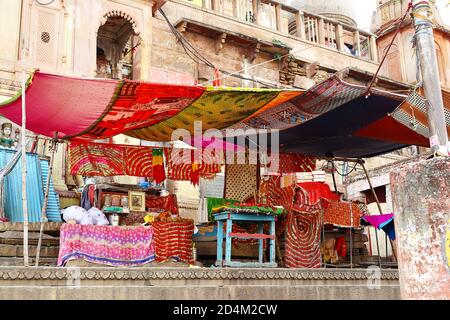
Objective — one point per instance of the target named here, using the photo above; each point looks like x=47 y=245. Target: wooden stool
x=229 y=217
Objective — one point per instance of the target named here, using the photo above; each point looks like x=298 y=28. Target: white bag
x=98 y=217
x=74 y=213
x=86 y=219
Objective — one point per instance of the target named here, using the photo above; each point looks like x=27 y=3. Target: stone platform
x=196 y=283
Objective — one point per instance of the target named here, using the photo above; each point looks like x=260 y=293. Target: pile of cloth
x=174 y=240
x=113 y=246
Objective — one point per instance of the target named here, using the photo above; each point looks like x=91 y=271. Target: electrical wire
x=348 y=173
x=399 y=23
x=196 y=56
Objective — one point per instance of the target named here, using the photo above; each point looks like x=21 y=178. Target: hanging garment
x=303 y=239
x=159 y=172
x=102 y=159
x=180 y=170
x=240 y=181
x=383 y=222
x=87 y=196
x=342 y=214
x=341 y=246
x=294 y=162
x=378 y=220
x=389 y=229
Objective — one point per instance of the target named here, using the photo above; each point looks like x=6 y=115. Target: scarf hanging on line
x=159 y=172
x=102 y=159
x=383 y=222
x=189 y=170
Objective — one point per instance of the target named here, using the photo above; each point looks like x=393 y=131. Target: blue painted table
x=260 y=220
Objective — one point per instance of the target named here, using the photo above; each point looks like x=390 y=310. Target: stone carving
x=134 y=16
x=6 y=138
x=52 y=273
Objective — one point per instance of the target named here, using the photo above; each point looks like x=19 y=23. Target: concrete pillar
x=421 y=201
x=300 y=25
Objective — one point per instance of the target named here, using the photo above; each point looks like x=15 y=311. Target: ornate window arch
x=110 y=13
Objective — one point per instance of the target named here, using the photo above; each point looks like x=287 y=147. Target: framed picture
x=136 y=201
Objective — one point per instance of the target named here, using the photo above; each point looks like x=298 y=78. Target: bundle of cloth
x=93 y=216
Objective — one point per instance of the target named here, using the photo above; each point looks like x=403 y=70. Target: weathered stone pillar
x=421 y=200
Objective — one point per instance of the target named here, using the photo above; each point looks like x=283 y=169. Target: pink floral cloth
x=114 y=246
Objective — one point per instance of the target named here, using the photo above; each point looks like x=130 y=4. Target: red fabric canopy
x=67 y=107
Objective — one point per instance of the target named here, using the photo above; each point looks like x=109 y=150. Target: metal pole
x=24 y=174
x=351 y=236
x=379 y=208
x=422 y=16
x=381 y=212
x=334 y=178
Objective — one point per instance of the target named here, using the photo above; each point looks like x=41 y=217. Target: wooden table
x=260 y=220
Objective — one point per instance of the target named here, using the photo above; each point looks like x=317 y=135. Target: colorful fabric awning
x=333 y=117
x=101 y=108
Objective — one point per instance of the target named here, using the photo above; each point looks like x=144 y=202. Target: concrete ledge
x=255 y=292
x=189 y=283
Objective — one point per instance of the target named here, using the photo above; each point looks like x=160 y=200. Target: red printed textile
x=342 y=214
x=293 y=162
x=141 y=104
x=183 y=170
x=272 y=193
x=99 y=159
x=174 y=240
x=167 y=203
x=313 y=192
x=303 y=239
x=113 y=246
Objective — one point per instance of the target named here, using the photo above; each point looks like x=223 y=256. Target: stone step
x=13 y=261
x=7 y=250
x=32 y=227
x=16 y=238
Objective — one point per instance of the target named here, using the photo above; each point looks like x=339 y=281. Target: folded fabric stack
x=251 y=208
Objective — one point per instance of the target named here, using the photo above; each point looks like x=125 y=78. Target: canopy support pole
x=380 y=210
x=334 y=178
x=24 y=174
x=45 y=204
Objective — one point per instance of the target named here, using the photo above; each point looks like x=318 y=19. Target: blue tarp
x=35 y=189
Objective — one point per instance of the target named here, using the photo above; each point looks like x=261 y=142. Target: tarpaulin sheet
x=334 y=130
